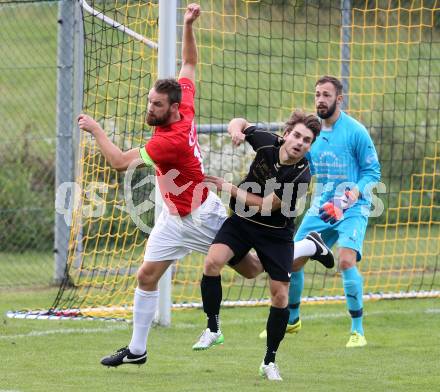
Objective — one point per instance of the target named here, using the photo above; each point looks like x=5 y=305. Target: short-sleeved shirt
x=344 y=156
x=176 y=153
x=288 y=182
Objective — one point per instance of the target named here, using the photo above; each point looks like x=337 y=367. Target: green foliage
x=28 y=40
x=26 y=269
x=26 y=199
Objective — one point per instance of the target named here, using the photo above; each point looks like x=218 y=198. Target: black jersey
x=267 y=175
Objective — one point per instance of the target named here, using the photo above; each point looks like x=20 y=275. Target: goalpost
x=258 y=59
x=166 y=68
x=166 y=65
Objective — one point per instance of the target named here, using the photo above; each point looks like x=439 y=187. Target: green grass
x=28 y=72
x=402 y=352
x=26 y=269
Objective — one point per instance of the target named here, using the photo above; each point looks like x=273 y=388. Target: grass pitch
x=402 y=353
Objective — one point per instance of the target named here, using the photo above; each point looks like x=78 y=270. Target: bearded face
x=326 y=100
x=155 y=119
x=159 y=111
x=323 y=111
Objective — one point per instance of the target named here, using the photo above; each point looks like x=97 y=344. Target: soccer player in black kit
x=263 y=219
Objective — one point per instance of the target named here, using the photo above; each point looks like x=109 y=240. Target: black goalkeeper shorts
x=274 y=247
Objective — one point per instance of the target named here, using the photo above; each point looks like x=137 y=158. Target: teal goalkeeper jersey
x=344 y=157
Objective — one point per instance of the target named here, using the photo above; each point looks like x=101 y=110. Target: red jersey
x=176 y=153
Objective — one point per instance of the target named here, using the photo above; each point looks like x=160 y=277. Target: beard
x=324 y=114
x=158 y=121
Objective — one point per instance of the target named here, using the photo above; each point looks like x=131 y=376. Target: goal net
x=260 y=60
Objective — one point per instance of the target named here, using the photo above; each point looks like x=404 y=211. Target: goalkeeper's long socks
x=144 y=308
x=295 y=290
x=276 y=329
x=211 y=288
x=353 y=289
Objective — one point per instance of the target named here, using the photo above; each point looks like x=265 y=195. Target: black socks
x=211 y=288
x=276 y=329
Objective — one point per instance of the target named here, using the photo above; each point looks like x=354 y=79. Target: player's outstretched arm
x=117 y=159
x=189 y=46
x=236 y=128
x=263 y=204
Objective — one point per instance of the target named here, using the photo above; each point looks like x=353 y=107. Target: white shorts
x=173 y=236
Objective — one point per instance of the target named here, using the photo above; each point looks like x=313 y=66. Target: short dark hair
x=310 y=121
x=171 y=88
x=331 y=79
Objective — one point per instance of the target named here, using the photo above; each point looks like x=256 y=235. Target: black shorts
x=274 y=247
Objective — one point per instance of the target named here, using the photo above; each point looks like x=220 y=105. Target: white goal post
x=166 y=68
x=166 y=65
x=117 y=25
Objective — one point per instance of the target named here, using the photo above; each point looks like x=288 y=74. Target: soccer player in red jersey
x=192 y=215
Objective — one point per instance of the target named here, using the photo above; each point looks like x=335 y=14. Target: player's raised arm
x=236 y=128
x=117 y=159
x=189 y=46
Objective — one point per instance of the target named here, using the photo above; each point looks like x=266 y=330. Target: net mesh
x=260 y=60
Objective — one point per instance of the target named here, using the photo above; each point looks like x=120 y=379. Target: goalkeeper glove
x=333 y=210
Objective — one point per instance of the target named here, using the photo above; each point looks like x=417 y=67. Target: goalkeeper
x=345 y=163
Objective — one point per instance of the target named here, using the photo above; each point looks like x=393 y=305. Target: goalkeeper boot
x=123 y=356
x=270 y=371
x=323 y=253
x=356 y=340
x=208 y=339
x=290 y=328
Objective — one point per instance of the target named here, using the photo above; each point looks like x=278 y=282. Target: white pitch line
x=66 y=331
x=317 y=316
x=122 y=327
